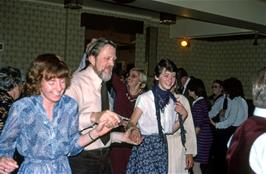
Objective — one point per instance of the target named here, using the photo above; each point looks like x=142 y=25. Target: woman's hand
x=110 y=118
x=181 y=109
x=101 y=129
x=133 y=136
x=7 y=165
x=189 y=161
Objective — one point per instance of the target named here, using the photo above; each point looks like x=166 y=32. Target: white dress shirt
x=257 y=156
x=235 y=114
x=148 y=120
x=85 y=88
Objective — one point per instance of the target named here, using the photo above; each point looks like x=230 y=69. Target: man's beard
x=103 y=75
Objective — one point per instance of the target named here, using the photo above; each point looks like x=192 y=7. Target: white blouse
x=147 y=122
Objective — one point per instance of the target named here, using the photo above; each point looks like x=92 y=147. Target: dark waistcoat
x=238 y=152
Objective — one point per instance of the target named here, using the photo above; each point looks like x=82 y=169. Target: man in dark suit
x=183 y=80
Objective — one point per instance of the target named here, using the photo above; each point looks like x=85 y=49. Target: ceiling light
x=184 y=43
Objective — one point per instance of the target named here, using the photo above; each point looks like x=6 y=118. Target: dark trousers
x=91 y=162
x=218 y=163
x=204 y=168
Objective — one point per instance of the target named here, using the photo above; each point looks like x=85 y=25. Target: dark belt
x=97 y=153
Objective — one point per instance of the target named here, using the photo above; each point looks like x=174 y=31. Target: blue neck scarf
x=161 y=99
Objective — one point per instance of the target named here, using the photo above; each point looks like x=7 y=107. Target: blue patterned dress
x=150 y=157
x=44 y=144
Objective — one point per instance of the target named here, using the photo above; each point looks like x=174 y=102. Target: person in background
x=246 y=151
x=200 y=108
x=235 y=114
x=217 y=91
x=155 y=115
x=10 y=90
x=219 y=104
x=180 y=154
x=126 y=95
x=182 y=81
x=88 y=88
x=44 y=125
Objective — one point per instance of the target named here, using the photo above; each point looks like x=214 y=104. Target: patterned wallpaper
x=29 y=28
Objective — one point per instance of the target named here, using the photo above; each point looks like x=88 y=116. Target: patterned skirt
x=151 y=156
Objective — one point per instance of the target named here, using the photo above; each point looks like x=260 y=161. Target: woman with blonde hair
x=126 y=94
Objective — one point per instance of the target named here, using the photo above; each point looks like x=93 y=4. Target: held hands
x=110 y=119
x=105 y=125
x=132 y=135
x=7 y=165
x=100 y=130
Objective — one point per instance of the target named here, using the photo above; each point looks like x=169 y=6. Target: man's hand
x=111 y=119
x=7 y=165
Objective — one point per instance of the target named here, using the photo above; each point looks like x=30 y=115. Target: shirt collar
x=185 y=85
x=197 y=100
x=260 y=112
x=97 y=80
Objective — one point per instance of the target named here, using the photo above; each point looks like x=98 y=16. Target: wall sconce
x=184 y=43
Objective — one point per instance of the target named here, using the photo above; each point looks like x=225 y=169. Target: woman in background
x=126 y=93
x=10 y=90
x=181 y=152
x=200 y=108
x=235 y=114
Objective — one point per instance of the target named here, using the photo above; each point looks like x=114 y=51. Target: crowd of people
x=101 y=122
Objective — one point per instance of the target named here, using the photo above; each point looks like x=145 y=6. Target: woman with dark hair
x=199 y=109
x=235 y=114
x=44 y=125
x=10 y=90
x=155 y=116
x=217 y=91
x=237 y=109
